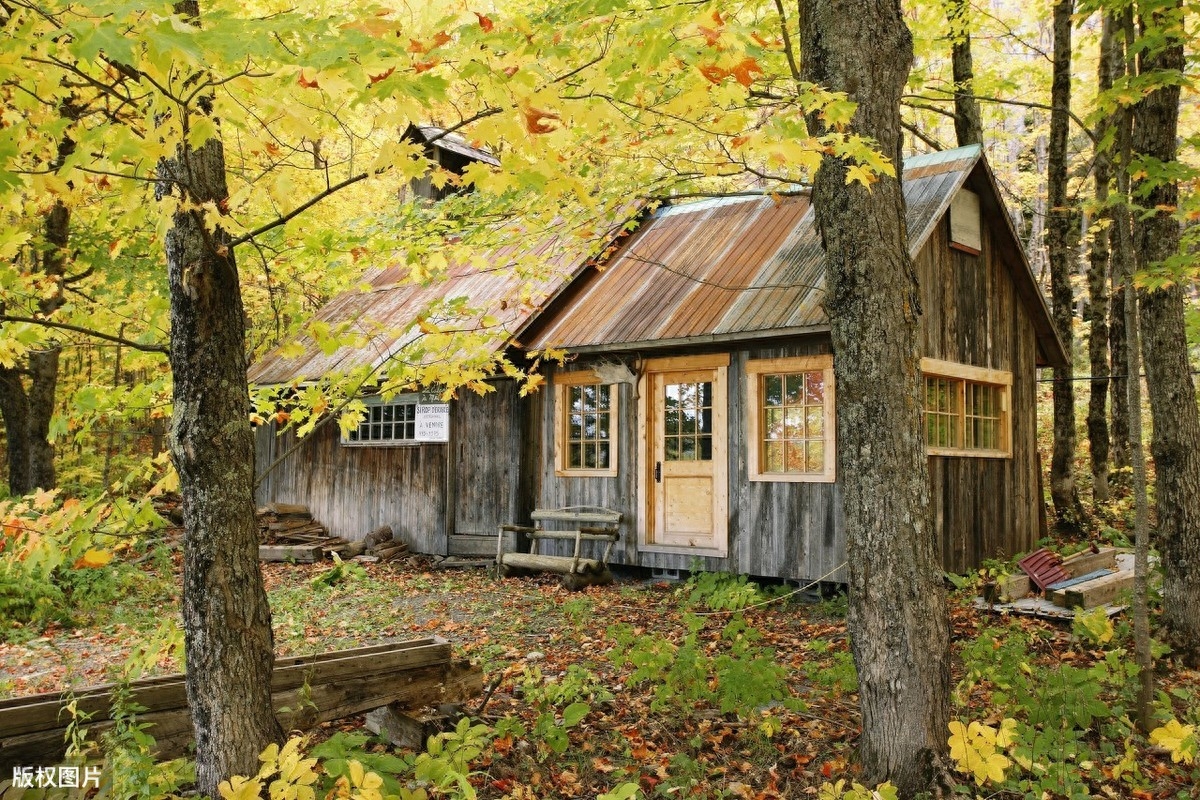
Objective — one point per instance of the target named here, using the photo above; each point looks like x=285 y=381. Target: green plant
x=133 y=770
x=721 y=591
x=740 y=678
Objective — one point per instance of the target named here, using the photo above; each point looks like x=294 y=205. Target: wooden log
x=557 y=564
x=1100 y=591
x=298 y=553
x=388 y=553
x=378 y=537
x=1087 y=561
x=289 y=510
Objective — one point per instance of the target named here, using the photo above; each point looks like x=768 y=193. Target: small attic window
x=965 y=225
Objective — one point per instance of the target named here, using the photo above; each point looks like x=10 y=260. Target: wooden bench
x=586 y=524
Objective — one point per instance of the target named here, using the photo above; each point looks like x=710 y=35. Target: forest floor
x=681 y=699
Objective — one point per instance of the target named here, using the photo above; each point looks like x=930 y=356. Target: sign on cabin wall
x=433 y=422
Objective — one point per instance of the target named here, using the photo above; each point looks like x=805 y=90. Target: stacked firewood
x=286 y=524
x=381 y=544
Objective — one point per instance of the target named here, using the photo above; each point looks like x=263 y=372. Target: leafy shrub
x=740 y=678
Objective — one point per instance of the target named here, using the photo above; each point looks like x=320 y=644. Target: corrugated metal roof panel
x=387 y=312
x=732 y=267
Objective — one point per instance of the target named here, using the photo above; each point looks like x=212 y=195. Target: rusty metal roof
x=733 y=268
x=386 y=311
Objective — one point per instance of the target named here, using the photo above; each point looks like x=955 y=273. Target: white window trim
x=369 y=401
x=932 y=367
x=562 y=381
x=755 y=369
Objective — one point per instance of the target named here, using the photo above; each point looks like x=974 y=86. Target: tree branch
x=1022 y=103
x=300 y=209
x=108 y=337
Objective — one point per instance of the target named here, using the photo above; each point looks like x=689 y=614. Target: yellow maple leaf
x=94 y=558
x=1177 y=739
x=240 y=788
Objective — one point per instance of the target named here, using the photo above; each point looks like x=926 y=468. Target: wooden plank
x=41 y=712
x=565 y=515
x=298 y=553
x=1087 y=561
x=1100 y=591
x=172 y=729
x=1067 y=584
x=582 y=534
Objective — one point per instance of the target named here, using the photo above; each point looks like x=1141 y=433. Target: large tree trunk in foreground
x=1176 y=442
x=1060 y=230
x=226 y=618
x=897 y=618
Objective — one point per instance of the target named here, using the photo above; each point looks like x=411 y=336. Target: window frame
x=562 y=382
x=962 y=375
x=755 y=370
x=412 y=399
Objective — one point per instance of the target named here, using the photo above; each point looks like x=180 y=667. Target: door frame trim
x=719 y=363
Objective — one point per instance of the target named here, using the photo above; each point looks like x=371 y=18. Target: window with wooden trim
x=791 y=424
x=383 y=423
x=966 y=409
x=585 y=421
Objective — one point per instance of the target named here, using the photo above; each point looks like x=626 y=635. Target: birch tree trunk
x=897 y=616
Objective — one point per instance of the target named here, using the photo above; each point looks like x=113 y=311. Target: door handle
x=658 y=472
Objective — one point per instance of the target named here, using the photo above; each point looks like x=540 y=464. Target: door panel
x=685 y=424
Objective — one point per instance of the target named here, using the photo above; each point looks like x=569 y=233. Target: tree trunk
x=1121 y=241
x=1060 y=235
x=897 y=617
x=226 y=618
x=1097 y=311
x=1176 y=441
x=14 y=406
x=968 y=122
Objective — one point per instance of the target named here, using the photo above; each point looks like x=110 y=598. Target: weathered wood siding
x=485 y=440
x=354 y=490
x=983 y=507
x=424 y=491
x=776 y=529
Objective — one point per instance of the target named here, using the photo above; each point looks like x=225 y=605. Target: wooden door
x=686 y=456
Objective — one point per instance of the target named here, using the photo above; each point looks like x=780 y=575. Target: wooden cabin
x=700 y=399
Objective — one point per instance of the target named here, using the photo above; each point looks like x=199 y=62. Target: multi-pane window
x=585 y=418
x=942 y=411
x=688 y=421
x=791 y=426
x=384 y=423
x=589 y=426
x=966 y=409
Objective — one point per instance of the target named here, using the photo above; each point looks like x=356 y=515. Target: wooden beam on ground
x=559 y=564
x=1087 y=561
x=1101 y=591
x=313 y=689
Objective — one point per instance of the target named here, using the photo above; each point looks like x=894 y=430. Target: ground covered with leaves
x=713 y=687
